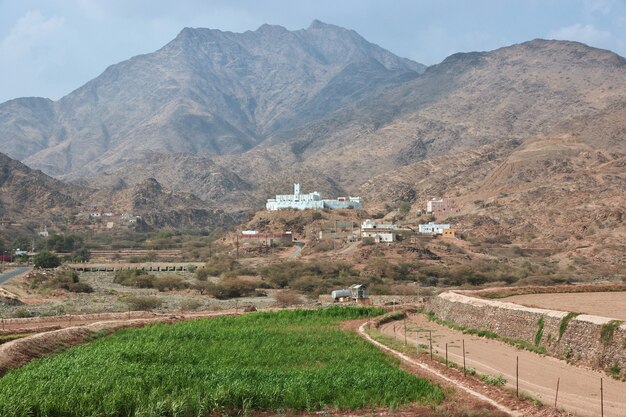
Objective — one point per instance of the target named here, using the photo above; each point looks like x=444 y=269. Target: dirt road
x=579 y=389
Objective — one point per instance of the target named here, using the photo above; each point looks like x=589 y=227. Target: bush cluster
x=142 y=303
x=138 y=278
x=60 y=280
x=223 y=266
x=228 y=288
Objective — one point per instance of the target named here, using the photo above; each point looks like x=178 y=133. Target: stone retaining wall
x=581 y=341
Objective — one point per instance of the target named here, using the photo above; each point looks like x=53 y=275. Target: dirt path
x=350 y=248
x=579 y=388
x=439 y=375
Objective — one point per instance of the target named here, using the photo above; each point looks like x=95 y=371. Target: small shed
x=359 y=293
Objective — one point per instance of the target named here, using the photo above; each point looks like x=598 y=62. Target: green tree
x=81 y=255
x=45 y=259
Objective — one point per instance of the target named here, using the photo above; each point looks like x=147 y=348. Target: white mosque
x=310 y=201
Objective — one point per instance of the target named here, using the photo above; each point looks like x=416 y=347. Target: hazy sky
x=50 y=47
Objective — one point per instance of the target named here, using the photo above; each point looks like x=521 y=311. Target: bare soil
x=579 y=388
x=605 y=304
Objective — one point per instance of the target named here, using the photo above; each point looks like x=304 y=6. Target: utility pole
x=237 y=244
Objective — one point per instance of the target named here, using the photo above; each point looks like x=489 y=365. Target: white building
x=381 y=232
x=310 y=201
x=295 y=201
x=432 y=228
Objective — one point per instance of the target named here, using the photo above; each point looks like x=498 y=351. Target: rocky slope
x=29 y=199
x=207 y=92
x=529 y=138
x=26 y=195
x=160 y=207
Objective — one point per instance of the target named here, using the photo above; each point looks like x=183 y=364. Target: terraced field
x=300 y=360
x=606 y=304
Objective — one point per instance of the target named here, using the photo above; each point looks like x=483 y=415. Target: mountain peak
x=271 y=29
x=207 y=92
x=317 y=24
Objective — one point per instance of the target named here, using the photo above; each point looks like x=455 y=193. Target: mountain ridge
x=235 y=118
x=206 y=92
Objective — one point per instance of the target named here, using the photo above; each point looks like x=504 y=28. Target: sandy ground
x=579 y=388
x=605 y=304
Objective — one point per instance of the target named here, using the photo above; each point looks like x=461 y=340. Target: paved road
x=4 y=277
x=296 y=252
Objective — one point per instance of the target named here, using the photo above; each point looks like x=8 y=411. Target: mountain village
x=368 y=230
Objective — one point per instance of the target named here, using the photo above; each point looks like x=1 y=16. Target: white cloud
x=582 y=33
x=31 y=29
x=29 y=52
x=599 y=6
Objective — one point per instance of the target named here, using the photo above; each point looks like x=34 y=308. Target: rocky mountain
x=160 y=207
x=207 y=92
x=27 y=195
x=29 y=199
x=529 y=139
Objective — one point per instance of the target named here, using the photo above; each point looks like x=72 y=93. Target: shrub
x=46 y=259
x=204 y=287
x=287 y=298
x=134 y=278
x=80 y=287
x=65 y=277
x=498 y=381
x=607 y=331
x=190 y=304
x=21 y=313
x=539 y=334
x=81 y=255
x=233 y=288
x=169 y=282
x=218 y=265
x=202 y=274
x=564 y=322
x=143 y=303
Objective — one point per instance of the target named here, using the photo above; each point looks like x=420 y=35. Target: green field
x=262 y=361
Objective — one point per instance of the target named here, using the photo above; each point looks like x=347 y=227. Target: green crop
x=263 y=361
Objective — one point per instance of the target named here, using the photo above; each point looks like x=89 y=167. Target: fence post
x=601 y=398
x=517 y=376
x=556 y=397
x=446 y=354
x=464 y=368
x=430 y=336
x=405 y=329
